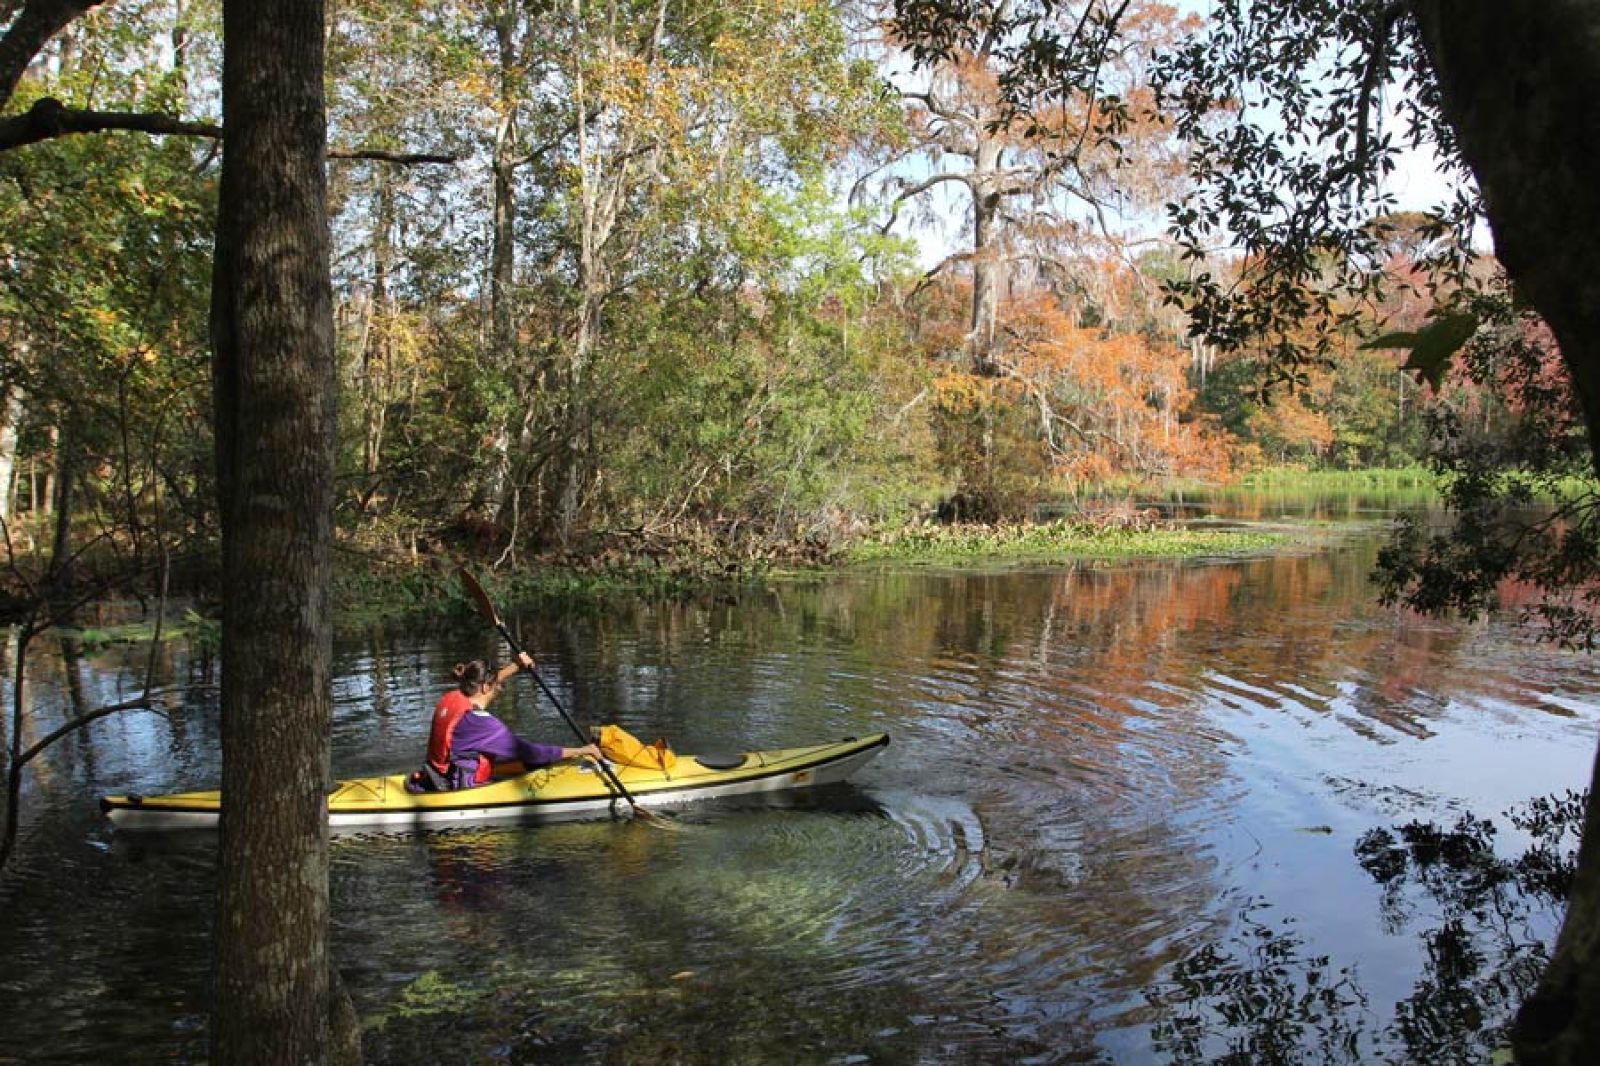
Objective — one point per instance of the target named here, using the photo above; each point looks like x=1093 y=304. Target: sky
x=942 y=226
x=1417 y=184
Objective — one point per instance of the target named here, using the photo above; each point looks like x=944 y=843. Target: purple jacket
x=483 y=733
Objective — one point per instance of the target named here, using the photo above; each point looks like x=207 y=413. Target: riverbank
x=370 y=588
x=375 y=583
x=693 y=565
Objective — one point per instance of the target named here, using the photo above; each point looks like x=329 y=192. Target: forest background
x=620 y=278
x=632 y=273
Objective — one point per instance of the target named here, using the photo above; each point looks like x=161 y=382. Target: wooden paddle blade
x=475 y=590
x=653 y=819
x=645 y=816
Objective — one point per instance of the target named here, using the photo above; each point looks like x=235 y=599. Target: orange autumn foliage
x=1107 y=403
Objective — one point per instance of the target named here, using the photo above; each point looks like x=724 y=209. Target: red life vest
x=447 y=715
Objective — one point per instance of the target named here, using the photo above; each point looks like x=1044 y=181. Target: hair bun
x=459 y=671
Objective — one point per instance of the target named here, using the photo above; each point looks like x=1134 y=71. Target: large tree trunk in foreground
x=1519 y=80
x=272 y=333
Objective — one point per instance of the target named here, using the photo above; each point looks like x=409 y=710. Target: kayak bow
x=566 y=790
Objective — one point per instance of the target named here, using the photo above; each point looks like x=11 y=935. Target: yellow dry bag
x=625 y=749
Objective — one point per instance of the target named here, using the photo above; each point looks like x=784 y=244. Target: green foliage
x=758 y=402
x=204 y=633
x=1061 y=539
x=107 y=243
x=1295 y=180
x=93 y=638
x=1377 y=414
x=1415 y=480
x=1513 y=463
x=992 y=448
x=755 y=363
x=706 y=345
x=1431 y=348
x=430 y=994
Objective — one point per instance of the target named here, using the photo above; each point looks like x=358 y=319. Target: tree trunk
x=988 y=265
x=274 y=379
x=377 y=348
x=63 y=489
x=10 y=416
x=609 y=170
x=44 y=498
x=1518 y=83
x=503 y=259
x=574 y=455
x=593 y=232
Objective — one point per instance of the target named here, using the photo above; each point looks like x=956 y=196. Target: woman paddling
x=466 y=741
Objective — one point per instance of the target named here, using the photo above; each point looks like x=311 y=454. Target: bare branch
x=1092 y=95
x=49 y=118
x=1376 y=67
x=940 y=110
x=994 y=31
x=913 y=191
x=859 y=188
x=934 y=271
x=144 y=702
x=382 y=156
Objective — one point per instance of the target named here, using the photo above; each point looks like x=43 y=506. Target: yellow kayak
x=569 y=789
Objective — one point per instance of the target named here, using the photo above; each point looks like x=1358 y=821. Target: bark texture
x=274 y=380
x=1518 y=83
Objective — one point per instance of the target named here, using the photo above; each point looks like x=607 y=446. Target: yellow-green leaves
x=1432 y=346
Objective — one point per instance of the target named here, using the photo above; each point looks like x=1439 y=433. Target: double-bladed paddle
x=486 y=608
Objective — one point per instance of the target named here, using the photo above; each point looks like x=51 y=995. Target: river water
x=1117 y=823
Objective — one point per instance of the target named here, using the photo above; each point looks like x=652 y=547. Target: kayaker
x=466 y=740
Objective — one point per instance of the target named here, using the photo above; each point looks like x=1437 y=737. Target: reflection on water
x=1112 y=792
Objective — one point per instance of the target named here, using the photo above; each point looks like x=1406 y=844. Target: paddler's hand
x=525 y=661
x=588 y=751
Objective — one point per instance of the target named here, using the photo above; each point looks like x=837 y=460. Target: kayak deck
x=565 y=790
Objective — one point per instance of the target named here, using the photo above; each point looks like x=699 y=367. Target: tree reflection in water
x=1261 y=998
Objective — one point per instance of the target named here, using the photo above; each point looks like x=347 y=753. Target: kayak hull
x=567 y=790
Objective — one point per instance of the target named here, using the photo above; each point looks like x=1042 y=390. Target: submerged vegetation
x=1063 y=539
x=1409 y=480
